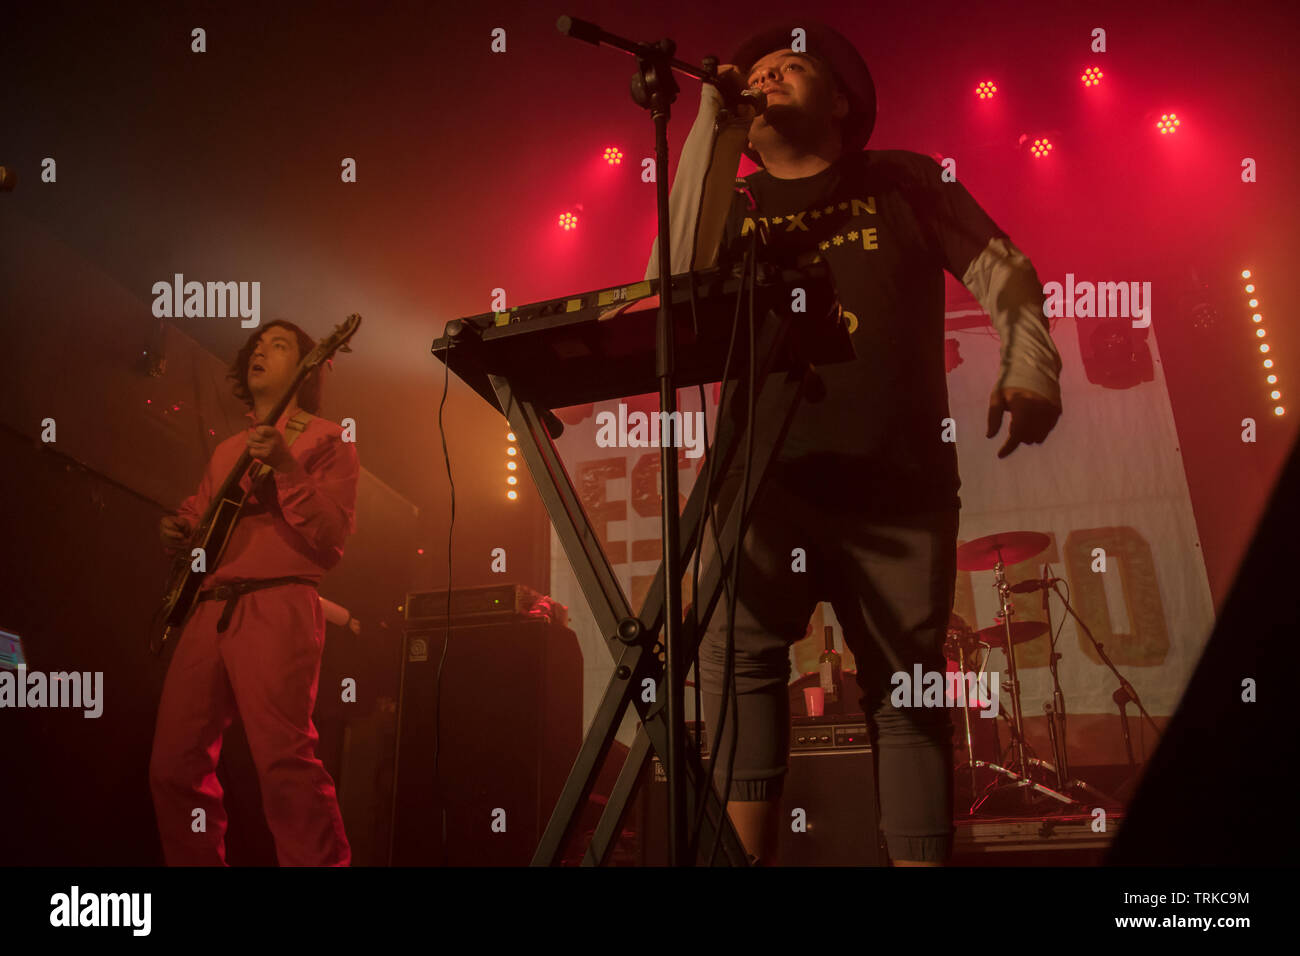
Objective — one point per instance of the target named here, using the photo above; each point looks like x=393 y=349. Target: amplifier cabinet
x=511 y=717
x=832 y=779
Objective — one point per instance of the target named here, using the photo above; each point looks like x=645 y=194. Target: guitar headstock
x=336 y=342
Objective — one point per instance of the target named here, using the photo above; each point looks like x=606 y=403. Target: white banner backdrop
x=1109 y=477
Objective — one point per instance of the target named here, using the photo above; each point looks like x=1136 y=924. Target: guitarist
x=253 y=642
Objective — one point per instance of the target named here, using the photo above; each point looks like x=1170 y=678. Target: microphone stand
x=1121 y=696
x=1056 y=708
x=654 y=89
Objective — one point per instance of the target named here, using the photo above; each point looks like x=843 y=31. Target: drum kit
x=963 y=645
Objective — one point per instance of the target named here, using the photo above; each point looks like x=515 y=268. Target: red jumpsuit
x=265 y=664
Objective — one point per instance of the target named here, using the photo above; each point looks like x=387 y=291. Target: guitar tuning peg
x=345 y=348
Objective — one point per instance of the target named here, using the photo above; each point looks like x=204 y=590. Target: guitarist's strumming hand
x=267 y=445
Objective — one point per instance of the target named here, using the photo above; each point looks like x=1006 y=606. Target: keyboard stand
x=634 y=641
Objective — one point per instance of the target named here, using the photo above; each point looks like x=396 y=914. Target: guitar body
x=184 y=583
x=213 y=532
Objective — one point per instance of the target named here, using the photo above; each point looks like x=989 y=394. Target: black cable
x=697 y=537
x=706 y=516
x=729 y=674
x=437 y=692
x=749 y=260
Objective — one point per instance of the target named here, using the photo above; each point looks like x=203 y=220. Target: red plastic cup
x=814 y=699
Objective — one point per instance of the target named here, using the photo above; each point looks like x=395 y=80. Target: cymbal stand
x=965 y=709
x=1021 y=780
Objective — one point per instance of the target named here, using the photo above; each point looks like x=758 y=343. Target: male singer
x=865 y=483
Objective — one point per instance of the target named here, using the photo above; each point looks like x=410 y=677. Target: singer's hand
x=1032 y=417
x=732 y=83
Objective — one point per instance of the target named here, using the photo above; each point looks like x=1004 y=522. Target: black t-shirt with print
x=887 y=225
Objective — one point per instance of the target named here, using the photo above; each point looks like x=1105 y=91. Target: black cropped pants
x=890 y=578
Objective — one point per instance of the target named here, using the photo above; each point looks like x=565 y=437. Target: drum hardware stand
x=965 y=710
x=1020 y=759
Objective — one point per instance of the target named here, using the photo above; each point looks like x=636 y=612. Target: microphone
x=756 y=99
x=1028 y=587
x=1045 y=587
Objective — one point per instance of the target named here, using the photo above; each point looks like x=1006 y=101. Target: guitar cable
x=451 y=527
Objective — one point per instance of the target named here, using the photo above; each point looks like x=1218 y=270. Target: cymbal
x=1014 y=546
x=1021 y=631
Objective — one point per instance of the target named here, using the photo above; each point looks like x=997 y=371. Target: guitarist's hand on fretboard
x=175 y=531
x=268 y=446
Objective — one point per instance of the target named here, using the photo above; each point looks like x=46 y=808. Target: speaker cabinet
x=511 y=726
x=832 y=780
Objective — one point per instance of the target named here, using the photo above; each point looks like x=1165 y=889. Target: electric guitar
x=213 y=532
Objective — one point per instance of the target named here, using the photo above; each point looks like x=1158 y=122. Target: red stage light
x=1092 y=76
x=1168 y=123
x=613 y=156
x=1040 y=148
x=986 y=90
x=568 y=221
